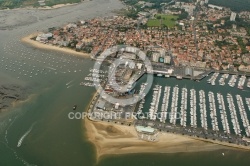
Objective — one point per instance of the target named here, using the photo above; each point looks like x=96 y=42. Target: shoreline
x=39 y=45
x=110 y=138
x=57 y=6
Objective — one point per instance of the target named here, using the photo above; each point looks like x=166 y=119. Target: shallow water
x=54 y=139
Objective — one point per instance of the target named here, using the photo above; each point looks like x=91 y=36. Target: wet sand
x=110 y=138
x=10 y=94
x=37 y=44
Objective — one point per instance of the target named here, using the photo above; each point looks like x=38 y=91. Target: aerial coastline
x=67 y=75
x=98 y=132
x=28 y=40
x=57 y=6
x=110 y=138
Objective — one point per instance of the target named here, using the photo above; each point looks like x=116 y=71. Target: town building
x=233 y=16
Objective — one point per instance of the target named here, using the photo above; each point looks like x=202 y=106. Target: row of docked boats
x=223 y=113
x=165 y=102
x=243 y=115
x=193 y=113
x=213 y=111
x=140 y=106
x=233 y=114
x=248 y=103
x=154 y=105
x=213 y=78
x=232 y=81
x=203 y=109
x=184 y=107
x=224 y=109
x=222 y=79
x=141 y=92
x=241 y=82
x=174 y=105
x=248 y=83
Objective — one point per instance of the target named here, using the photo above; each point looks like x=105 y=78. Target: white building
x=44 y=37
x=155 y=57
x=167 y=59
x=117 y=105
x=215 y=7
x=233 y=16
x=139 y=65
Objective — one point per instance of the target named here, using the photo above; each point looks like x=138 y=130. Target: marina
x=215 y=110
x=232 y=80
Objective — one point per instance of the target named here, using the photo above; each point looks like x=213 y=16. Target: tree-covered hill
x=235 y=5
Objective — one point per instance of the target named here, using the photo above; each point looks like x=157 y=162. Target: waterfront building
x=233 y=16
x=142 y=129
x=189 y=71
x=167 y=59
x=100 y=104
x=155 y=57
x=215 y=7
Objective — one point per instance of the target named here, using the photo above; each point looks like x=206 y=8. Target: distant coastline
x=56 y=6
x=28 y=40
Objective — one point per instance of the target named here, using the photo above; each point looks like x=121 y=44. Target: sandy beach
x=37 y=44
x=110 y=138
